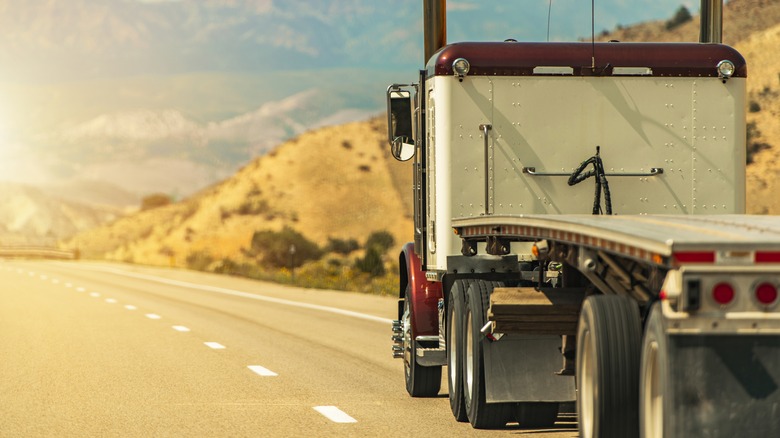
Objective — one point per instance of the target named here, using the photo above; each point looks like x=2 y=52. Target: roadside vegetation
x=288 y=257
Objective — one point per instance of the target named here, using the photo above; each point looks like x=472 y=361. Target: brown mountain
x=338 y=182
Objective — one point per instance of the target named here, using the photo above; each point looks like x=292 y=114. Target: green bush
x=382 y=240
x=274 y=248
x=341 y=246
x=199 y=261
x=683 y=15
x=372 y=263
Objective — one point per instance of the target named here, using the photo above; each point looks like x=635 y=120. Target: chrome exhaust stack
x=434 y=26
x=711 y=30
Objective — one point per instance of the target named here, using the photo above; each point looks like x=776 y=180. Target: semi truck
x=580 y=237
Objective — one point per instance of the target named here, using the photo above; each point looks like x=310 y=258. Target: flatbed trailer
x=706 y=287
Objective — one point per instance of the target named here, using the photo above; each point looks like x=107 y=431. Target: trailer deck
x=664 y=240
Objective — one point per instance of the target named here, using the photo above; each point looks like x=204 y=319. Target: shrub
x=372 y=263
x=754 y=107
x=341 y=246
x=683 y=15
x=154 y=201
x=199 y=261
x=382 y=240
x=753 y=146
x=274 y=248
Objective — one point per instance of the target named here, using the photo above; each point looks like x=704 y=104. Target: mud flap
x=724 y=386
x=521 y=368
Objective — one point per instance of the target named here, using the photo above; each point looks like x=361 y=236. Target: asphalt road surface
x=94 y=349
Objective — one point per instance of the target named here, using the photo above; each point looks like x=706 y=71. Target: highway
x=99 y=349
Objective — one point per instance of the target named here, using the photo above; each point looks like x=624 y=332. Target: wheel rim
x=652 y=404
x=452 y=344
x=407 y=327
x=588 y=392
x=469 y=362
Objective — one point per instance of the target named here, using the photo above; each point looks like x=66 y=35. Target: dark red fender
x=424 y=296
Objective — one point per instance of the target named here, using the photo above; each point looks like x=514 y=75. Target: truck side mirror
x=399 y=123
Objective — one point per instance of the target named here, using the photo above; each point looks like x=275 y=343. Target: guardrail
x=37 y=252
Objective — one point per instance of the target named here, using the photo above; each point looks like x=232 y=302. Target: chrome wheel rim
x=469 y=362
x=452 y=345
x=652 y=402
x=587 y=388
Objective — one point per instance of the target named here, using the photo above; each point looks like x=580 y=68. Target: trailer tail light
x=766 y=293
x=723 y=293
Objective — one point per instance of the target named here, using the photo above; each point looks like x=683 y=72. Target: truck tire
x=608 y=342
x=480 y=414
x=455 y=335
x=531 y=415
x=420 y=381
x=653 y=376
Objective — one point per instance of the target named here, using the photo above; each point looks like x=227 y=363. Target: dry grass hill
x=340 y=182
x=753 y=28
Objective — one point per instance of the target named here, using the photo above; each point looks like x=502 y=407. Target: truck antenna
x=549 y=13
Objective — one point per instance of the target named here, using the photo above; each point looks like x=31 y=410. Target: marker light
x=725 y=69
x=461 y=67
x=723 y=293
x=766 y=293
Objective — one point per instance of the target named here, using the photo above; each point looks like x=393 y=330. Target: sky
x=173 y=95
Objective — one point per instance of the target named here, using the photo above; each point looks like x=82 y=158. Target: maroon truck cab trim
x=424 y=296
x=520 y=59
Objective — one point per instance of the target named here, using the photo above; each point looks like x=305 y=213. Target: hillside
x=30 y=216
x=338 y=182
x=753 y=28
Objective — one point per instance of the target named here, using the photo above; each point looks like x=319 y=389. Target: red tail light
x=766 y=293
x=723 y=293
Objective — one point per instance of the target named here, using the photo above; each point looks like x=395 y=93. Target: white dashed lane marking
x=80 y=289
x=334 y=414
x=69 y=285
x=110 y=300
x=215 y=345
x=180 y=328
x=153 y=316
x=94 y=294
x=257 y=369
x=130 y=307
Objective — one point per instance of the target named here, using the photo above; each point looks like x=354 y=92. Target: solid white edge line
x=153 y=316
x=215 y=345
x=261 y=371
x=180 y=328
x=334 y=414
x=236 y=293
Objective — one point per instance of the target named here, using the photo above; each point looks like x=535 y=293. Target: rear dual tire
x=480 y=414
x=455 y=339
x=609 y=336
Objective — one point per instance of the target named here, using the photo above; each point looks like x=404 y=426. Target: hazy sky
x=88 y=86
